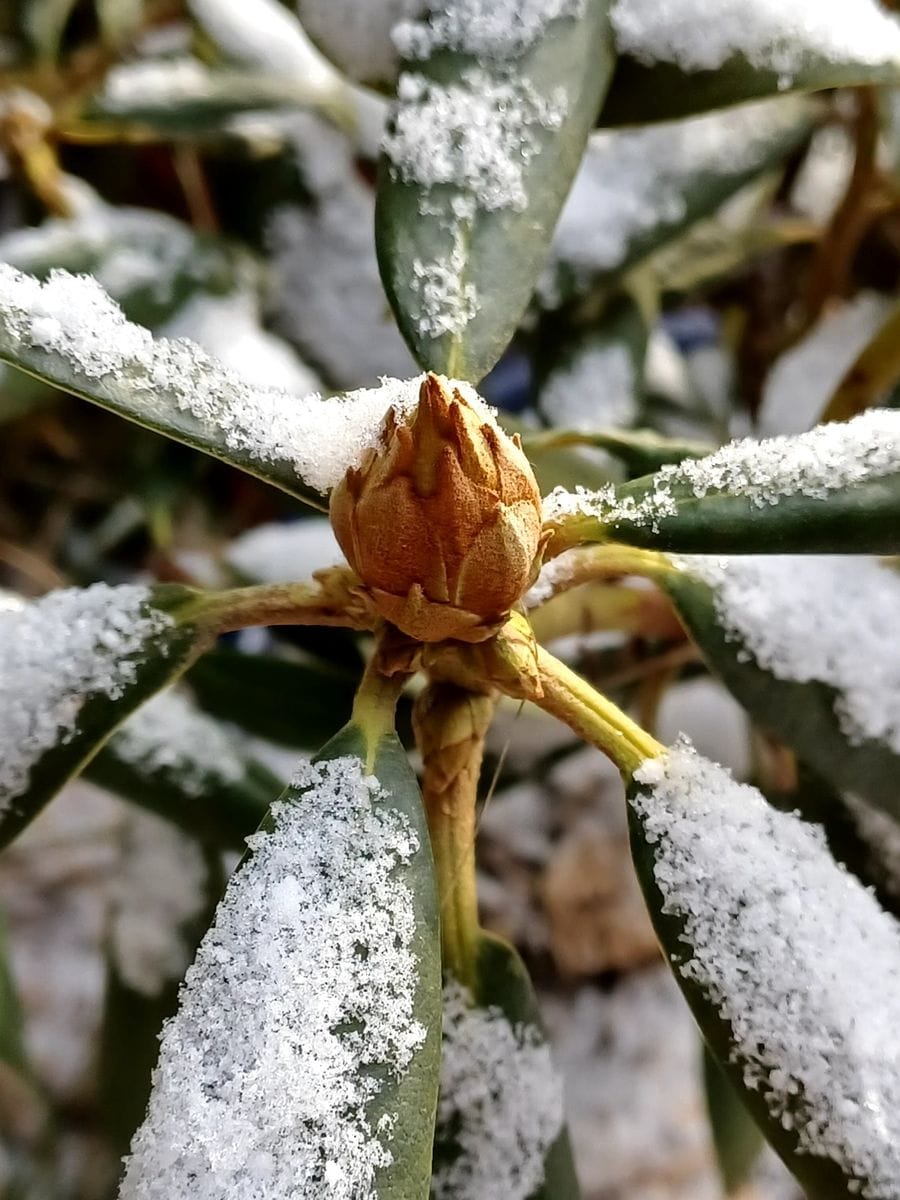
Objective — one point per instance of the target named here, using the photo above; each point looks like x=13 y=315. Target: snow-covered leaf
x=307 y=1042
x=807 y=645
x=501 y=1127
x=68 y=332
x=678 y=57
x=834 y=490
x=172 y=759
x=73 y=665
x=494 y=108
x=786 y=960
x=636 y=190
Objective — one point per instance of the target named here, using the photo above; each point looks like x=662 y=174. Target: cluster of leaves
x=259 y=165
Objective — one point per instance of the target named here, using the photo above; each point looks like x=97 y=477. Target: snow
x=802 y=381
x=58 y=652
x=632 y=182
x=168 y=735
x=176 y=384
x=266 y=35
x=595 y=390
x=500 y=1102
x=828 y=458
x=823 y=618
x=158 y=891
x=228 y=328
x=279 y=553
x=489 y=30
x=773 y=35
x=793 y=952
x=298 y=1006
x=145 y=83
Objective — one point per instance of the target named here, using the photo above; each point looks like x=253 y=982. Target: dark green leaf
x=659 y=92
x=638 y=190
x=161 y=656
x=501 y=984
x=736 y=1136
x=461 y=246
x=780 y=496
x=802 y=714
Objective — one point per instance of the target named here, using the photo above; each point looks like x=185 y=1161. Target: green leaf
x=175 y=761
x=119 y=20
x=500 y=994
x=250 y=690
x=43 y=22
x=785 y=961
x=324 y=951
x=808 y=714
x=638 y=190
x=68 y=333
x=463 y=226
x=78 y=663
x=639 y=450
x=736 y=1136
x=834 y=490
x=660 y=91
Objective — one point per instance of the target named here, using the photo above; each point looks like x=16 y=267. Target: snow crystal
x=802 y=380
x=500 y=1102
x=298 y=1006
x=279 y=553
x=57 y=653
x=71 y=317
x=487 y=29
x=228 y=327
x=828 y=458
x=794 y=953
x=477 y=134
x=773 y=35
x=631 y=182
x=595 y=390
x=825 y=618
x=158 y=891
x=168 y=734
x=444 y=302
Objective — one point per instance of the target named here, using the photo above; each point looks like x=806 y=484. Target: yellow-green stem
x=273 y=604
x=593 y=717
x=450 y=725
x=374 y=707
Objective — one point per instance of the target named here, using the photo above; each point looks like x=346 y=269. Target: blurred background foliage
x=732 y=272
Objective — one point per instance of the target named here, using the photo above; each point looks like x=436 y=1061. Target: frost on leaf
x=296 y=1013
x=794 y=953
x=828 y=619
x=773 y=35
x=828 y=458
x=56 y=654
x=500 y=1106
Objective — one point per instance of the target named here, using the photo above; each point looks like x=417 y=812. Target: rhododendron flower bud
x=442 y=521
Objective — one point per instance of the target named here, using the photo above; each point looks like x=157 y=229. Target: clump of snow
x=298 y=1008
x=228 y=327
x=773 y=35
x=57 y=653
x=174 y=384
x=792 y=951
x=826 y=459
x=169 y=735
x=357 y=36
x=825 y=618
x=801 y=382
x=159 y=889
x=596 y=390
x=500 y=1102
x=555 y=574
x=633 y=181
x=145 y=83
x=486 y=29
x=343 y=324
x=447 y=302
x=279 y=553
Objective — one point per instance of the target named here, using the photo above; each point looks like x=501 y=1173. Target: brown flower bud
x=442 y=521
